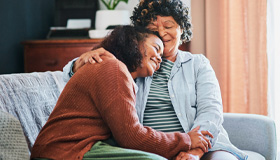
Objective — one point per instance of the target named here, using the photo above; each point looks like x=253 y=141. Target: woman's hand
x=91 y=57
x=186 y=156
x=199 y=139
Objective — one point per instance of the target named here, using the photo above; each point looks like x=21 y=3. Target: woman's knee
x=218 y=155
x=156 y=157
x=148 y=156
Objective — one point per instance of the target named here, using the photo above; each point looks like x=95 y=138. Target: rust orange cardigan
x=96 y=103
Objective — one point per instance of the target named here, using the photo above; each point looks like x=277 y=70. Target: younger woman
x=98 y=102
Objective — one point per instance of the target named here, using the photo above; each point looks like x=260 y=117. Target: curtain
x=235 y=44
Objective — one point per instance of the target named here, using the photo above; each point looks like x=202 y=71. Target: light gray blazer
x=195 y=95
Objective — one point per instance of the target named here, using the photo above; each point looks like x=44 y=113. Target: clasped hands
x=199 y=145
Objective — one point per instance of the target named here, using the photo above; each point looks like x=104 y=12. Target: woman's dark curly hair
x=147 y=10
x=124 y=43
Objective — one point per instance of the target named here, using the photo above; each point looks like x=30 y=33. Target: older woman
x=185 y=92
x=99 y=101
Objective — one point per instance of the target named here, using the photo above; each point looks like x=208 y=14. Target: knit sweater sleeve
x=113 y=93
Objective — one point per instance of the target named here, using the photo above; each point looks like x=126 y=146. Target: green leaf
x=116 y=2
x=126 y=1
x=112 y=6
x=106 y=3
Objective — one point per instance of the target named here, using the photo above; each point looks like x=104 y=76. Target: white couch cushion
x=254 y=155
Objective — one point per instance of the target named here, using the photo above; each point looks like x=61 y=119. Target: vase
x=106 y=18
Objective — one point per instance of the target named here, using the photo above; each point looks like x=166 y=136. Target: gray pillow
x=12 y=140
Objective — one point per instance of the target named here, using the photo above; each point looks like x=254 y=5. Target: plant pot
x=105 y=18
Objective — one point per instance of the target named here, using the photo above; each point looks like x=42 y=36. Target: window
x=273 y=56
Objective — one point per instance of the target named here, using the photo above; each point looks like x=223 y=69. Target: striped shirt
x=159 y=112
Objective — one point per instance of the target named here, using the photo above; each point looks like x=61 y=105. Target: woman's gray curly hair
x=147 y=10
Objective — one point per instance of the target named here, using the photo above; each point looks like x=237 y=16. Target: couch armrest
x=252 y=132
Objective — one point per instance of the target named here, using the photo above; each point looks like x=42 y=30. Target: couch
x=29 y=98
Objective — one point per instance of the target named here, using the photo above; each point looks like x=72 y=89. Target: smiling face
x=152 y=50
x=170 y=32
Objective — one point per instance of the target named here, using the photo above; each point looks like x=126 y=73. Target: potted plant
x=112 y=4
x=111 y=17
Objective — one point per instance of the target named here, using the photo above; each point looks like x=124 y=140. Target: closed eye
x=156 y=48
x=153 y=29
